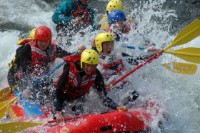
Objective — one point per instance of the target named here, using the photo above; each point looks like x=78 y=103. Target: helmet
x=114 y=5
x=89 y=56
x=103 y=37
x=32 y=33
x=116 y=15
x=43 y=33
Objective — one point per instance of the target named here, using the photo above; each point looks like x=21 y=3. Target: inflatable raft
x=135 y=120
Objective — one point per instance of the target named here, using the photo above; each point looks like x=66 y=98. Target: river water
x=179 y=94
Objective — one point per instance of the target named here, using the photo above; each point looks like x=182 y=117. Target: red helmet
x=43 y=33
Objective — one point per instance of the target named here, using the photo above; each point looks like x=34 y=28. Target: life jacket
x=77 y=87
x=40 y=60
x=24 y=41
x=111 y=64
x=83 y=13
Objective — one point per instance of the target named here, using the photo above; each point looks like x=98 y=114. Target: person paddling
x=79 y=75
x=35 y=60
x=111 y=63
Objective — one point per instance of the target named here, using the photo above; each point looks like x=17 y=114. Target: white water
x=178 y=93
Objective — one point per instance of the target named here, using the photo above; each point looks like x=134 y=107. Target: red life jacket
x=83 y=13
x=73 y=88
x=118 y=63
x=40 y=61
x=109 y=62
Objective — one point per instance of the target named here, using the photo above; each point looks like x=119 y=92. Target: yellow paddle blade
x=194 y=23
x=17 y=126
x=182 y=68
x=6 y=93
x=188 y=54
x=4 y=106
x=187 y=34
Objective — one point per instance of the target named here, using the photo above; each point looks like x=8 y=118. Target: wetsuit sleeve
x=11 y=77
x=25 y=66
x=60 y=14
x=99 y=85
x=135 y=60
x=62 y=53
x=62 y=81
x=25 y=60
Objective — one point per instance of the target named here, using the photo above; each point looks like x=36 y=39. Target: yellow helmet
x=89 y=56
x=115 y=5
x=102 y=37
x=32 y=33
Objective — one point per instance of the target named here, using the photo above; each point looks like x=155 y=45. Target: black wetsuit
x=98 y=85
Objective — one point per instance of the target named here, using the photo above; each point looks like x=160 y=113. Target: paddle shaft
x=38 y=81
x=134 y=47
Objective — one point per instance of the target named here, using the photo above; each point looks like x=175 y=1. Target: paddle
x=155 y=56
x=19 y=126
x=179 y=40
x=195 y=23
x=182 y=68
x=188 y=54
x=187 y=34
x=6 y=92
x=4 y=106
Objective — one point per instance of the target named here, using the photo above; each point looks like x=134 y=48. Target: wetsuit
x=61 y=96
